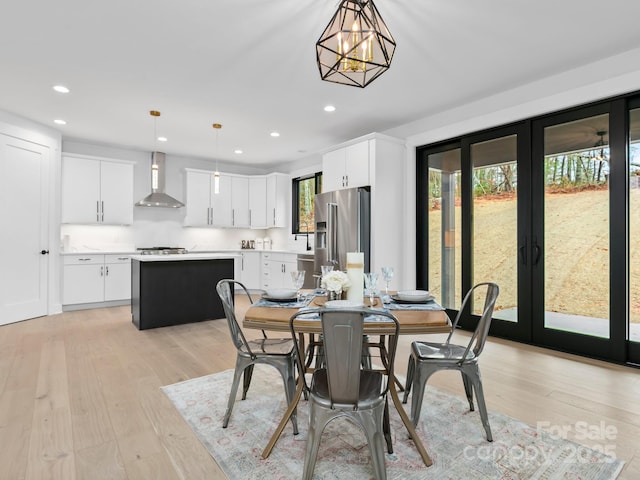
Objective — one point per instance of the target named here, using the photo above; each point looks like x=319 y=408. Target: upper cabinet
x=96 y=190
x=278 y=193
x=257 y=201
x=204 y=206
x=268 y=196
x=346 y=167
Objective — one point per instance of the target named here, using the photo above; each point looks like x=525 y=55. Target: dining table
x=413 y=319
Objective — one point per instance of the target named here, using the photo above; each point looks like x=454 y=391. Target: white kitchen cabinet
x=346 y=167
x=250 y=269
x=96 y=278
x=240 y=202
x=277 y=268
x=205 y=207
x=278 y=194
x=257 y=201
x=117 y=277
x=221 y=208
x=96 y=190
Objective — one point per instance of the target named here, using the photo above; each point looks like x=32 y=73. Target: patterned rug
x=453 y=436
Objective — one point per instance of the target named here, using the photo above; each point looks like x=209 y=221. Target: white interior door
x=24 y=191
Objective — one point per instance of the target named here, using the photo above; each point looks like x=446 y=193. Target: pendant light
x=216 y=175
x=356 y=47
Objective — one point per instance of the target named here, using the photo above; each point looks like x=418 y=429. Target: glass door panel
x=576 y=227
x=495 y=222
x=445 y=244
x=634 y=226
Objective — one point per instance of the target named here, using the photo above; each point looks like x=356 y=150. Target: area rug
x=453 y=436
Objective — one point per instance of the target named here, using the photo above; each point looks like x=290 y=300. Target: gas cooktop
x=162 y=250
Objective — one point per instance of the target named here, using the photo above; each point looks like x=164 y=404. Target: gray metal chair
x=277 y=352
x=342 y=387
x=427 y=358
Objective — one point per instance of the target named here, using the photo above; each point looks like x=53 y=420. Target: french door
x=549 y=209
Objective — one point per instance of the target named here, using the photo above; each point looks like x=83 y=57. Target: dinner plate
x=427 y=299
x=282 y=293
x=343 y=304
x=279 y=299
x=413 y=295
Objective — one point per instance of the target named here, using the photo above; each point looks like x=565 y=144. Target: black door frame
x=530 y=325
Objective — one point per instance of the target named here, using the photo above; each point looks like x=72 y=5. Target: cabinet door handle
x=84 y=259
x=274 y=216
x=346 y=184
x=249 y=216
x=107 y=269
x=233 y=216
x=102 y=208
x=97 y=210
x=44 y=252
x=123 y=258
x=102 y=271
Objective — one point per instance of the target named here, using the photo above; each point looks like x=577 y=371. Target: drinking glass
x=371 y=283
x=326 y=269
x=298 y=281
x=387 y=275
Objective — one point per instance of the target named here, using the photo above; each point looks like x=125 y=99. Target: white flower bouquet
x=335 y=281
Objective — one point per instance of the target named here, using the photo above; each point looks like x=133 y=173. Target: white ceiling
x=250 y=65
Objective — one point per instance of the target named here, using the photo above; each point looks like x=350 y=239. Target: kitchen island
x=175 y=289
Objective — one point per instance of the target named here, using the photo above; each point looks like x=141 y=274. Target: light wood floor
x=80 y=396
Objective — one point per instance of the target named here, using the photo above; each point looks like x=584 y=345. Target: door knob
x=44 y=252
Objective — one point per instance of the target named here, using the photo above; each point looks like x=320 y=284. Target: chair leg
x=386 y=427
x=411 y=366
x=468 y=389
x=246 y=380
x=477 y=386
x=370 y=420
x=288 y=376
x=421 y=374
x=240 y=365
x=318 y=418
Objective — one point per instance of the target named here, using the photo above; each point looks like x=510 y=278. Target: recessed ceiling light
x=329 y=108
x=237 y=151
x=275 y=134
x=59 y=121
x=61 y=89
x=162 y=139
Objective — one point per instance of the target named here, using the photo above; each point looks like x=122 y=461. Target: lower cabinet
x=277 y=268
x=96 y=278
x=250 y=269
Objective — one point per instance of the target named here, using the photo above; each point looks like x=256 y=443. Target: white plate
x=281 y=293
x=413 y=295
x=343 y=304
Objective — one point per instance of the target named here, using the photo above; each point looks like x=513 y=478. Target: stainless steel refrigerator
x=343 y=224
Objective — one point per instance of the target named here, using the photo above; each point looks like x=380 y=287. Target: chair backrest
x=343 y=331
x=225 y=289
x=479 y=337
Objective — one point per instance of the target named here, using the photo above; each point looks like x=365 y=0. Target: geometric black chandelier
x=356 y=47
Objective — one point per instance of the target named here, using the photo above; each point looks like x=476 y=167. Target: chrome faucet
x=305 y=234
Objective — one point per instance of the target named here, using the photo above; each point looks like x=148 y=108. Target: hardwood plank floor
x=80 y=395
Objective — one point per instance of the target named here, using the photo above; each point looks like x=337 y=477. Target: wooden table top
x=411 y=321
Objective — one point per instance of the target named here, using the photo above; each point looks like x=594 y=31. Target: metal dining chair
x=342 y=387
x=277 y=352
x=426 y=358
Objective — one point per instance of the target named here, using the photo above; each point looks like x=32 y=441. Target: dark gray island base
x=173 y=291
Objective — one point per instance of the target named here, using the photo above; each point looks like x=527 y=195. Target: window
x=304 y=191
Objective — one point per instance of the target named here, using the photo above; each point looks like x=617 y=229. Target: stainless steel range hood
x=158 y=198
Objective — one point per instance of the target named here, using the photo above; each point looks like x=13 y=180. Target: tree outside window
x=304 y=191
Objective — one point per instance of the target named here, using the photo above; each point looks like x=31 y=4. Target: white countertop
x=183 y=257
